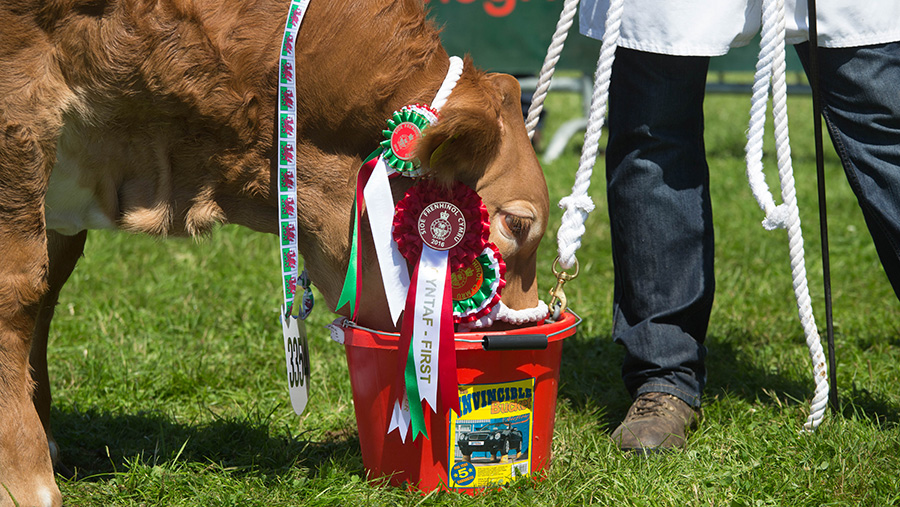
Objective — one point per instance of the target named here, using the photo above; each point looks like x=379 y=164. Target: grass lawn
x=168 y=370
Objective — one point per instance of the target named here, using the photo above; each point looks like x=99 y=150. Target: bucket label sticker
x=491 y=438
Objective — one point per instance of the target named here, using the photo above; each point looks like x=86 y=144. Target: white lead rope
x=771 y=65
x=553 y=52
x=578 y=204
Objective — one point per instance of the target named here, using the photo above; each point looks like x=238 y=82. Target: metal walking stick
x=823 y=217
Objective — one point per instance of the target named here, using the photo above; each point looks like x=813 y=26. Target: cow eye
x=518 y=225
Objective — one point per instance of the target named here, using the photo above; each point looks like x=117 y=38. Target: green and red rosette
x=477 y=287
x=405 y=129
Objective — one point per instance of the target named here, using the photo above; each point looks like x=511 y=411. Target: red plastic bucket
x=508 y=400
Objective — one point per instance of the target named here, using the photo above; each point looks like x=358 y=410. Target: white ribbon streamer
x=394 y=273
x=400 y=418
x=380 y=207
x=426 y=336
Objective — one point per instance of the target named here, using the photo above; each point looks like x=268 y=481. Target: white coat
x=711 y=27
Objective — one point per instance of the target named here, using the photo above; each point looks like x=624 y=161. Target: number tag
x=296 y=355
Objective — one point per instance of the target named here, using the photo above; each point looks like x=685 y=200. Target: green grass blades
x=169 y=389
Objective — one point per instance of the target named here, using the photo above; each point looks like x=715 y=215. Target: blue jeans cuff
x=652 y=387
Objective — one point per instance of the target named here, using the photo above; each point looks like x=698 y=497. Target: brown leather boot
x=655 y=422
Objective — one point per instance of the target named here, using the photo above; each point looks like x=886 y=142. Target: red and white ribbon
x=439 y=230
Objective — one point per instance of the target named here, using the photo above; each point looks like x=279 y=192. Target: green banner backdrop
x=512 y=36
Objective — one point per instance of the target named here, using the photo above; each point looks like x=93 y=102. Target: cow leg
x=64 y=252
x=26 y=472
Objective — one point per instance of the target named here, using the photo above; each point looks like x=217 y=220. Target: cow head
x=481 y=141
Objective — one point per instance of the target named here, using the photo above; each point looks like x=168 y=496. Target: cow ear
x=467 y=136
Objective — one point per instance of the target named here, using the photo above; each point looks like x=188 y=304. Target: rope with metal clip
x=558 y=301
x=578 y=204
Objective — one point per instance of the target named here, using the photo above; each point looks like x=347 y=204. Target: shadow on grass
x=730 y=370
x=590 y=377
x=95 y=444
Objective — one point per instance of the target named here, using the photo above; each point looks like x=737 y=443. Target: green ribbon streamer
x=348 y=292
x=417 y=417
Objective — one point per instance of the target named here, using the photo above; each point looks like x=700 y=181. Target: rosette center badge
x=403 y=140
x=441 y=225
x=466 y=282
x=405 y=129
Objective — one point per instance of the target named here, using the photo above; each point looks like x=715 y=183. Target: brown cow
x=157 y=116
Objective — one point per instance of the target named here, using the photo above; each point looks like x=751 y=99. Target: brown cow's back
x=168 y=112
x=168 y=105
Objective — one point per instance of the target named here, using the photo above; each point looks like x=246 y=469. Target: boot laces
x=650 y=406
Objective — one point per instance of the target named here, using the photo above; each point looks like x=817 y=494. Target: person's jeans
x=660 y=220
x=860 y=90
x=659 y=206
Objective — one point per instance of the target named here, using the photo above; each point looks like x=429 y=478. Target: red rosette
x=453 y=219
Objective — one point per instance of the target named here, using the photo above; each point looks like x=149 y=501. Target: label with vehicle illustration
x=490 y=441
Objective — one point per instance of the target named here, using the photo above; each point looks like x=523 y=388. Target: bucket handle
x=514 y=342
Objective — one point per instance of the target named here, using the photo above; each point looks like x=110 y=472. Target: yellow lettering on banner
x=428 y=302
x=428 y=309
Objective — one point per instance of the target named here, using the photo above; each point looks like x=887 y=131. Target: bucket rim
x=567 y=321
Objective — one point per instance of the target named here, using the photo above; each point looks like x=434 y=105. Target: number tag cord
x=296 y=349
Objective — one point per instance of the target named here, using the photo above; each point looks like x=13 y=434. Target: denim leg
x=861 y=107
x=661 y=221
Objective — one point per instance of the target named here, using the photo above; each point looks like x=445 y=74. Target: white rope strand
x=771 y=64
x=553 y=52
x=758 y=103
x=578 y=204
x=453 y=73
x=501 y=312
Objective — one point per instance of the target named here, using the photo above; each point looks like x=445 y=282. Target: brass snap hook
x=558 y=301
